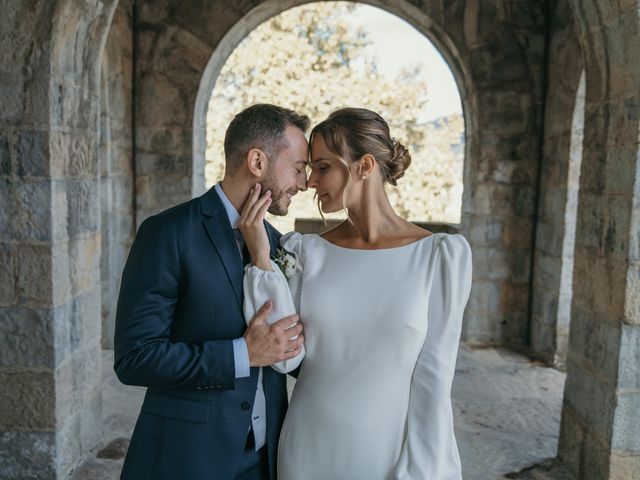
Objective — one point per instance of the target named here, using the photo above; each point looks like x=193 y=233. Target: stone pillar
x=600 y=431
x=557 y=202
x=50 y=413
x=116 y=162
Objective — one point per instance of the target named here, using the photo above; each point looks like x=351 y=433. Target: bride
x=381 y=301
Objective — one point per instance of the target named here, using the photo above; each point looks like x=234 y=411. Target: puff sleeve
x=260 y=286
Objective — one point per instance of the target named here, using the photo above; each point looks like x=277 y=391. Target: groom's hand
x=269 y=344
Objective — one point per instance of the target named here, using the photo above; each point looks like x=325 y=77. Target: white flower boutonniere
x=288 y=263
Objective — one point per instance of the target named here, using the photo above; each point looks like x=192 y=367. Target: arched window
x=322 y=56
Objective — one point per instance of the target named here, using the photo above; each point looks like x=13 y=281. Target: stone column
x=50 y=414
x=600 y=431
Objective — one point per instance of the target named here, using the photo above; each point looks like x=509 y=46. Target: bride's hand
x=251 y=225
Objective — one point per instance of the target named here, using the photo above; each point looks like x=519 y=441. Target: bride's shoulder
x=452 y=247
x=295 y=242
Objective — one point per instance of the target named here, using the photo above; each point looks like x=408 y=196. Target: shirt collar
x=232 y=213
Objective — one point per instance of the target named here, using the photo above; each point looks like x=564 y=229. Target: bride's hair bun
x=351 y=133
x=399 y=162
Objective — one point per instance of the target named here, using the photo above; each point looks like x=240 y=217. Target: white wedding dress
x=372 y=400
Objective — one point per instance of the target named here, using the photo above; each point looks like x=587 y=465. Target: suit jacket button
x=245 y=405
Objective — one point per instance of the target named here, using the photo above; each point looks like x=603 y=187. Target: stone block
x=484 y=231
x=30 y=210
x=83 y=206
x=616 y=226
x=632 y=297
x=629 y=358
x=484 y=297
x=589 y=221
x=601 y=286
x=514 y=297
x=173 y=110
x=60 y=228
x=506 y=111
x=73 y=106
x=550 y=236
x=624 y=466
x=28 y=337
x=595 y=458
x=163 y=164
x=27 y=400
x=571 y=439
x=35 y=282
x=626 y=423
x=27 y=455
x=73 y=154
x=595 y=344
x=5 y=155
x=8 y=273
x=80 y=433
x=592 y=400
x=33 y=154
x=621 y=170
x=491 y=264
x=84 y=256
x=78 y=381
x=77 y=324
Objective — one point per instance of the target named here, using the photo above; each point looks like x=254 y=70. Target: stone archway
x=182 y=47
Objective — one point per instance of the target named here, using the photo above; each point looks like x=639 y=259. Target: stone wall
x=49 y=235
x=557 y=201
x=496 y=51
x=600 y=431
x=116 y=161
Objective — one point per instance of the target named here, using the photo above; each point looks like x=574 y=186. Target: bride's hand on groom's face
x=251 y=226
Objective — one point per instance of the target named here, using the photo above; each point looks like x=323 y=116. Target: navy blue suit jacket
x=179 y=308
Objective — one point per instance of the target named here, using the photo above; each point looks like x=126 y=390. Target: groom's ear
x=257 y=162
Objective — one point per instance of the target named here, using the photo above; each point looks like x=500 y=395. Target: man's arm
x=144 y=354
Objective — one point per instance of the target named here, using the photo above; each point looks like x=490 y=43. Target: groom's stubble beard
x=277 y=195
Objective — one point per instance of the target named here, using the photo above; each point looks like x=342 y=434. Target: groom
x=210 y=411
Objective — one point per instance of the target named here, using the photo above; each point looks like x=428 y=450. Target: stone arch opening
x=269 y=9
x=425 y=112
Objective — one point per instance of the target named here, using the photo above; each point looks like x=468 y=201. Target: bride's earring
x=364 y=177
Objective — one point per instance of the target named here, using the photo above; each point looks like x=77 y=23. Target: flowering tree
x=314 y=60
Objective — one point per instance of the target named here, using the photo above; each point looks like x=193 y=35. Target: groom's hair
x=260 y=126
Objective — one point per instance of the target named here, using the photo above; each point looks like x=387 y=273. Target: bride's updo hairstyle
x=351 y=133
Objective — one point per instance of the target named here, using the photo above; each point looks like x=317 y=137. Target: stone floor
x=507 y=412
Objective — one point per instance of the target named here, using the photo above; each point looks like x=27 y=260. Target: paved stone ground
x=507 y=411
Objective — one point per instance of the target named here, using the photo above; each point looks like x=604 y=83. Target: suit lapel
x=221 y=235
x=216 y=223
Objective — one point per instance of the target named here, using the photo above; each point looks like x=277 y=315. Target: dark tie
x=246 y=256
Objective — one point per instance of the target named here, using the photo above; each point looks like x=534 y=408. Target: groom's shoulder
x=178 y=214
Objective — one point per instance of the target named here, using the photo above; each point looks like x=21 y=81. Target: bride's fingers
x=262 y=211
x=252 y=215
x=254 y=194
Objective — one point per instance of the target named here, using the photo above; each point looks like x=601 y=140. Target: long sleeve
x=144 y=353
x=260 y=286
x=429 y=449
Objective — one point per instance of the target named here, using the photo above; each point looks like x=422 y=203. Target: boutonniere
x=288 y=263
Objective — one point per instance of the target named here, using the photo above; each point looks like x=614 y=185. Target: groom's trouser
x=255 y=465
